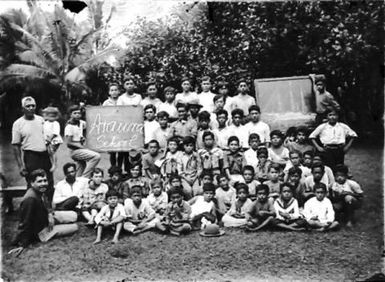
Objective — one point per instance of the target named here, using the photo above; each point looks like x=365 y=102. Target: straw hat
x=212 y=230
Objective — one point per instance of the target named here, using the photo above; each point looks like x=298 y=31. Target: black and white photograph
x=167 y=140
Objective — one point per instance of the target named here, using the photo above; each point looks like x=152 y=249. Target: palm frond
x=26 y=71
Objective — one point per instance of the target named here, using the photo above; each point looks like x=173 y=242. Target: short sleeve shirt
x=76 y=131
x=29 y=134
x=333 y=134
x=129 y=100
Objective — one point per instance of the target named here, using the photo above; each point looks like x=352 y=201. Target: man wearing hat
x=29 y=143
x=324 y=101
x=193 y=108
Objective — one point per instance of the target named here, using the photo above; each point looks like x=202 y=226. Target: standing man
x=29 y=145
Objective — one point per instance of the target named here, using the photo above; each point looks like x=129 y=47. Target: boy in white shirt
x=251 y=153
x=206 y=97
x=255 y=125
x=169 y=105
x=242 y=101
x=187 y=95
x=151 y=99
x=222 y=131
x=150 y=124
x=237 y=129
x=129 y=98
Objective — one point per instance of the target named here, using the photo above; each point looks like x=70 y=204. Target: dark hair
x=206 y=78
x=309 y=153
x=151 y=82
x=189 y=140
x=73 y=108
x=67 y=166
x=314 y=166
x=207 y=133
x=173 y=139
x=237 y=112
x=112 y=193
x=185 y=78
x=208 y=187
x=150 y=106
x=263 y=187
x=294 y=170
x=222 y=175
x=206 y=172
x=222 y=112
x=303 y=129
x=136 y=189
x=174 y=176
x=162 y=114
x=97 y=170
x=169 y=89
x=276 y=133
x=35 y=173
x=181 y=105
x=286 y=184
x=291 y=131
x=319 y=185
x=175 y=190
x=241 y=80
x=129 y=78
x=262 y=151
x=295 y=152
x=113 y=84
x=240 y=185
x=219 y=96
x=204 y=115
x=154 y=141
x=275 y=166
x=255 y=108
x=231 y=139
x=254 y=136
x=114 y=169
x=341 y=169
x=248 y=167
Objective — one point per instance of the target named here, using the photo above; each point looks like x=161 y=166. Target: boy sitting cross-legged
x=203 y=207
x=262 y=212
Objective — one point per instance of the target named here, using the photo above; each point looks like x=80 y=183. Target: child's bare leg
x=288 y=226
x=333 y=226
x=315 y=224
x=161 y=226
x=264 y=223
x=98 y=234
x=53 y=160
x=184 y=228
x=119 y=227
x=87 y=215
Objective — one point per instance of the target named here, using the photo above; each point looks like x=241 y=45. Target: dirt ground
x=236 y=256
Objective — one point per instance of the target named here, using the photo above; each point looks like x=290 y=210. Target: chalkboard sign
x=114 y=128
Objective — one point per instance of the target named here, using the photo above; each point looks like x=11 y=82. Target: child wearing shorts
x=262 y=212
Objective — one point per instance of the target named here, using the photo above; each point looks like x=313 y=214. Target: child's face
x=203 y=123
x=223 y=90
x=340 y=177
x=286 y=193
x=320 y=86
x=112 y=201
x=76 y=115
x=186 y=86
x=152 y=91
x=254 y=143
x=317 y=174
x=169 y=96
x=301 y=137
x=234 y=146
x=273 y=174
x=237 y=120
x=295 y=160
x=332 y=117
x=207 y=179
x=224 y=183
x=208 y=195
x=176 y=198
x=262 y=158
x=163 y=122
x=114 y=92
x=294 y=178
x=242 y=194
x=206 y=86
x=175 y=183
x=157 y=189
x=129 y=86
x=320 y=194
x=261 y=196
x=194 y=110
x=276 y=141
x=188 y=148
x=307 y=160
x=172 y=146
x=254 y=115
x=248 y=176
x=97 y=178
x=208 y=141
x=51 y=117
x=135 y=171
x=136 y=197
x=219 y=104
x=182 y=113
x=149 y=114
x=153 y=149
x=242 y=87
x=115 y=177
x=222 y=120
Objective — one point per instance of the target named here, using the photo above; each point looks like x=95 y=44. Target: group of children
x=200 y=167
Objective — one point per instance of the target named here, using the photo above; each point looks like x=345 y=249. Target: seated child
x=158 y=199
x=248 y=176
x=318 y=175
x=301 y=143
x=234 y=160
x=140 y=215
x=205 y=177
x=287 y=210
x=328 y=177
x=172 y=163
x=294 y=178
x=318 y=211
x=176 y=218
x=290 y=136
x=347 y=194
x=203 y=208
x=110 y=216
x=251 y=153
x=295 y=161
x=278 y=153
x=149 y=160
x=238 y=214
x=262 y=168
x=93 y=197
x=307 y=159
x=224 y=194
x=135 y=179
x=273 y=182
x=211 y=156
x=115 y=182
x=262 y=212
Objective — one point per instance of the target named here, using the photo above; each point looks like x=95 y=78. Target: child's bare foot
x=97 y=241
x=115 y=241
x=173 y=232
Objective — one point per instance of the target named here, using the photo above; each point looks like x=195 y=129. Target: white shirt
x=292 y=209
x=168 y=108
x=129 y=100
x=105 y=213
x=261 y=128
x=242 y=102
x=110 y=102
x=200 y=206
x=305 y=170
x=241 y=133
x=251 y=157
x=138 y=213
x=206 y=99
x=322 y=209
x=50 y=129
x=333 y=135
x=147 y=101
x=159 y=202
x=64 y=190
x=186 y=98
x=222 y=135
x=29 y=134
x=283 y=157
x=75 y=131
x=349 y=186
x=149 y=130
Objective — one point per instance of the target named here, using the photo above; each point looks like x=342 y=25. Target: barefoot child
x=135 y=179
x=224 y=194
x=191 y=166
x=248 y=176
x=262 y=168
x=238 y=215
x=203 y=208
x=51 y=130
x=234 y=160
x=273 y=182
x=318 y=211
x=262 y=212
x=110 y=216
x=177 y=216
x=158 y=199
